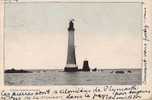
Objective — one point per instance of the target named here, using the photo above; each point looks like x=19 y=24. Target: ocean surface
x=58 y=77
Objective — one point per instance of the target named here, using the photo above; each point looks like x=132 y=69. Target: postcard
x=75 y=50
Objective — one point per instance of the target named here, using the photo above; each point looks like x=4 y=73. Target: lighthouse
x=71 y=58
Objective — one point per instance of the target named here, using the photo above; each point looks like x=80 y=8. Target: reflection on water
x=56 y=77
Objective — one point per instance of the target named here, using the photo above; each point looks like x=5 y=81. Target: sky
x=108 y=35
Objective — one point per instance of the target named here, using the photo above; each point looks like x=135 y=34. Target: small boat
x=129 y=71
x=119 y=72
x=94 y=70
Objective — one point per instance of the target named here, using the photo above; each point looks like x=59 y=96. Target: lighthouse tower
x=71 y=58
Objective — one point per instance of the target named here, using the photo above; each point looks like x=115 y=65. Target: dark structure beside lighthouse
x=71 y=58
x=85 y=66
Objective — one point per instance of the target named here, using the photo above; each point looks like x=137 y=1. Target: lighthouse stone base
x=71 y=68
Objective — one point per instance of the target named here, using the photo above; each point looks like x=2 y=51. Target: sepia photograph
x=73 y=43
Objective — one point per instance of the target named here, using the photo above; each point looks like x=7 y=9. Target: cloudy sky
x=109 y=35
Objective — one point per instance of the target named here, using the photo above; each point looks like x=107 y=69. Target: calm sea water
x=57 y=77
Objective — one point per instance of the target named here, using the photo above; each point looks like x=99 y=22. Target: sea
x=59 y=77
